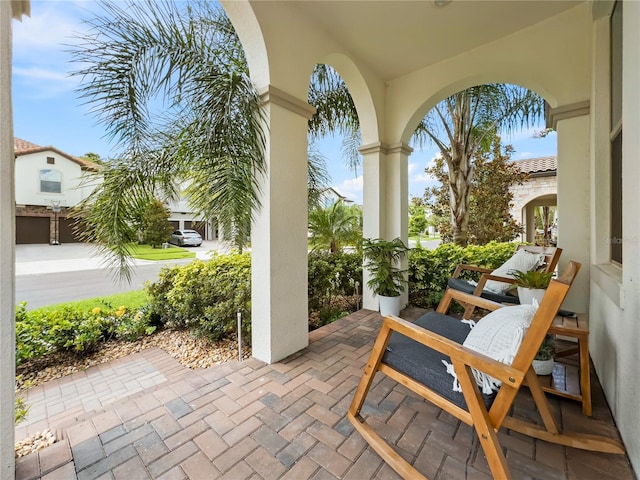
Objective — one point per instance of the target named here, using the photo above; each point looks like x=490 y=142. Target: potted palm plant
x=387 y=280
x=531 y=284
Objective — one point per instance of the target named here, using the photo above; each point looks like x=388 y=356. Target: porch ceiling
x=395 y=38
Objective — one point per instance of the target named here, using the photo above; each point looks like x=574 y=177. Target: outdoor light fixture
x=55 y=206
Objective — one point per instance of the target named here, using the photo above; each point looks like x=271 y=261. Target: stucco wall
x=614 y=314
x=28 y=179
x=533 y=188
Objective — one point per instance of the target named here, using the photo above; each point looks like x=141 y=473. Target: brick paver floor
x=146 y=416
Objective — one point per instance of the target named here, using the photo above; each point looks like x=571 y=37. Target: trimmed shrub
x=39 y=333
x=205 y=296
x=429 y=270
x=334 y=286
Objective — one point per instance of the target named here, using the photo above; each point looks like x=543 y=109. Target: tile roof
x=538 y=165
x=22 y=147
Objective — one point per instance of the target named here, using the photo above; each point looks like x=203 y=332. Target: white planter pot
x=543 y=367
x=526 y=295
x=389 y=305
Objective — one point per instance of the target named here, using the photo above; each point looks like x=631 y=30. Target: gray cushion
x=464 y=286
x=424 y=364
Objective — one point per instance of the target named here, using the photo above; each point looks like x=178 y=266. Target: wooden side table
x=569 y=380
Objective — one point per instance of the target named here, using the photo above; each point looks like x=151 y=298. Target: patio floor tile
x=146 y=416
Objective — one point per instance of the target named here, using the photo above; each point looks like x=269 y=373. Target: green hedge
x=429 y=270
x=205 y=296
x=39 y=333
x=335 y=283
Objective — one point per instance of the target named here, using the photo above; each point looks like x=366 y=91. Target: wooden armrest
x=473 y=359
x=486 y=277
x=465 y=298
x=474 y=268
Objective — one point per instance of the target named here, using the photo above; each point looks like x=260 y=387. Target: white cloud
x=351 y=188
x=35 y=82
x=50 y=26
x=525 y=155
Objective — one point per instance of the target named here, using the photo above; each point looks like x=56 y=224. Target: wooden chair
x=411 y=355
x=551 y=257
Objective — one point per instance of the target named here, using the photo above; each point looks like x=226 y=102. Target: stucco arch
x=361 y=93
x=248 y=29
x=560 y=75
x=462 y=84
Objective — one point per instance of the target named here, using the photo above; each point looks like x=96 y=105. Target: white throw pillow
x=497 y=335
x=521 y=260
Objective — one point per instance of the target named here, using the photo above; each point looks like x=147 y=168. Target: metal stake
x=239 y=336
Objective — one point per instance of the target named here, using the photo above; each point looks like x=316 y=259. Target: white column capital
x=271 y=94
x=565 y=112
x=385 y=149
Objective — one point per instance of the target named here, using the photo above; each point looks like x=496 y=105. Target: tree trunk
x=460 y=173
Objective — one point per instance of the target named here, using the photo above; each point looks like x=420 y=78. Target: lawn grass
x=131 y=300
x=147 y=252
x=425 y=237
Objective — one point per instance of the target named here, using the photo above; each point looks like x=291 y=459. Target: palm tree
x=171 y=86
x=463 y=125
x=334 y=227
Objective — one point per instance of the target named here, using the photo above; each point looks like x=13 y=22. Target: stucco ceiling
x=395 y=38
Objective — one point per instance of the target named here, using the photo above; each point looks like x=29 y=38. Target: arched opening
x=465 y=140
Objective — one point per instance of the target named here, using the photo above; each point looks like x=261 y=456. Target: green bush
x=39 y=333
x=429 y=270
x=205 y=296
x=334 y=276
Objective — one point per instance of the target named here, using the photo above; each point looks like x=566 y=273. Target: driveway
x=44 y=258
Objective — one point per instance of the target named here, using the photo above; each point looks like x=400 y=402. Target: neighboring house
x=331 y=196
x=540 y=190
x=183 y=218
x=46 y=177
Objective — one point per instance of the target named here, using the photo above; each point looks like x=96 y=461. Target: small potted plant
x=387 y=280
x=543 y=361
x=531 y=284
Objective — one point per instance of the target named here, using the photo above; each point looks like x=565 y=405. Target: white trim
x=271 y=94
x=568 y=111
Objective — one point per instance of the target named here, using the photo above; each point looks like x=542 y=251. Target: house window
x=616 y=133
x=50 y=181
x=51 y=160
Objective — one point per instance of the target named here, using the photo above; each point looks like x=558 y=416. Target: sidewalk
x=43 y=258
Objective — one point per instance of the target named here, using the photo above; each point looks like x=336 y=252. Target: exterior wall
x=524 y=196
x=615 y=290
x=531 y=189
x=28 y=180
x=7 y=250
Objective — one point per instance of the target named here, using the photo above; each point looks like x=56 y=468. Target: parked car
x=182 y=238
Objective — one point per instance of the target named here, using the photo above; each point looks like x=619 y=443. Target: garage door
x=197 y=226
x=32 y=230
x=66 y=231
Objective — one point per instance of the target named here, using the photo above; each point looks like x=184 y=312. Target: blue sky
x=47 y=111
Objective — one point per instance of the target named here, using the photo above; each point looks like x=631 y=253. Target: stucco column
x=7 y=240
x=280 y=324
x=386 y=200
x=572 y=124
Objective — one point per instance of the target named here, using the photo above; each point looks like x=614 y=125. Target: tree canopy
x=465 y=124
x=490 y=197
x=170 y=83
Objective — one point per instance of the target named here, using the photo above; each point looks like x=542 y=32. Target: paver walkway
x=146 y=416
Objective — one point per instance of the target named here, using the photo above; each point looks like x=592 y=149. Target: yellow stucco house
x=399 y=59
